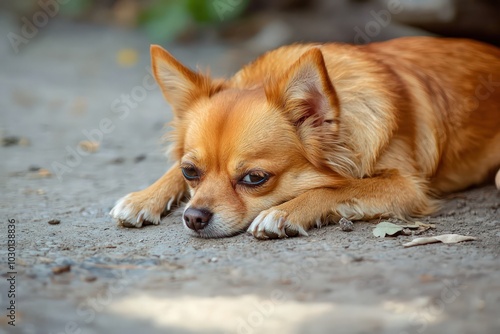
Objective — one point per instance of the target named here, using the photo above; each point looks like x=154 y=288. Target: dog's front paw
x=138 y=209
x=275 y=223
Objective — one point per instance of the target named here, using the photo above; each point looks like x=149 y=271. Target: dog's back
x=454 y=89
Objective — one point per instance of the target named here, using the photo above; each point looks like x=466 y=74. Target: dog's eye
x=190 y=173
x=254 y=179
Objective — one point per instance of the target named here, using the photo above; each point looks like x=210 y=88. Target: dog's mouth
x=211 y=233
x=217 y=230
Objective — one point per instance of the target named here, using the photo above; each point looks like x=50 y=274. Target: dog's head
x=244 y=150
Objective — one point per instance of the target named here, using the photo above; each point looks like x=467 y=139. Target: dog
x=309 y=133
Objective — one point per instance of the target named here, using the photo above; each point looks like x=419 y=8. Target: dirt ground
x=56 y=93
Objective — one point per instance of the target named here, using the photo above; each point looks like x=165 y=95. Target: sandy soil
x=160 y=280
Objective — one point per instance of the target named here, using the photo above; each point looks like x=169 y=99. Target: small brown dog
x=308 y=133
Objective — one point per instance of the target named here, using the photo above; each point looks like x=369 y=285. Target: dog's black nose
x=197 y=219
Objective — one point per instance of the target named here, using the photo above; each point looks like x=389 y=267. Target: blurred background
x=275 y=22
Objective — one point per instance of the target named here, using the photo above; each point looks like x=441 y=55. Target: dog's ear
x=305 y=91
x=180 y=86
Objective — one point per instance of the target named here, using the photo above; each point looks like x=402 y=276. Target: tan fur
x=342 y=130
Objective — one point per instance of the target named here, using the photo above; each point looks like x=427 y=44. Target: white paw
x=272 y=224
x=133 y=211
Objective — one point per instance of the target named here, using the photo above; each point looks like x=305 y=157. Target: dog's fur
x=340 y=130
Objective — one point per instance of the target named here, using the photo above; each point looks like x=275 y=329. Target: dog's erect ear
x=305 y=91
x=180 y=85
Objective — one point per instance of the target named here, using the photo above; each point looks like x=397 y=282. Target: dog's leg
x=389 y=194
x=150 y=204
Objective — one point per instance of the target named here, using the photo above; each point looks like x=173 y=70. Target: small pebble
x=139 y=158
x=61 y=269
x=348 y=258
x=89 y=278
x=34 y=168
x=118 y=160
x=10 y=141
x=406 y=231
x=479 y=304
x=54 y=222
x=14 y=140
x=346 y=225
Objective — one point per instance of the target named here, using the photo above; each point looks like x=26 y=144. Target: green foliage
x=201 y=10
x=215 y=11
x=165 y=19
x=75 y=7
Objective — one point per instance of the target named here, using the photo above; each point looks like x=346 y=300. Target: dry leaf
x=79 y=106
x=385 y=228
x=418 y=225
x=42 y=173
x=89 y=146
x=127 y=57
x=45 y=260
x=445 y=238
x=426 y=278
x=428 y=226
